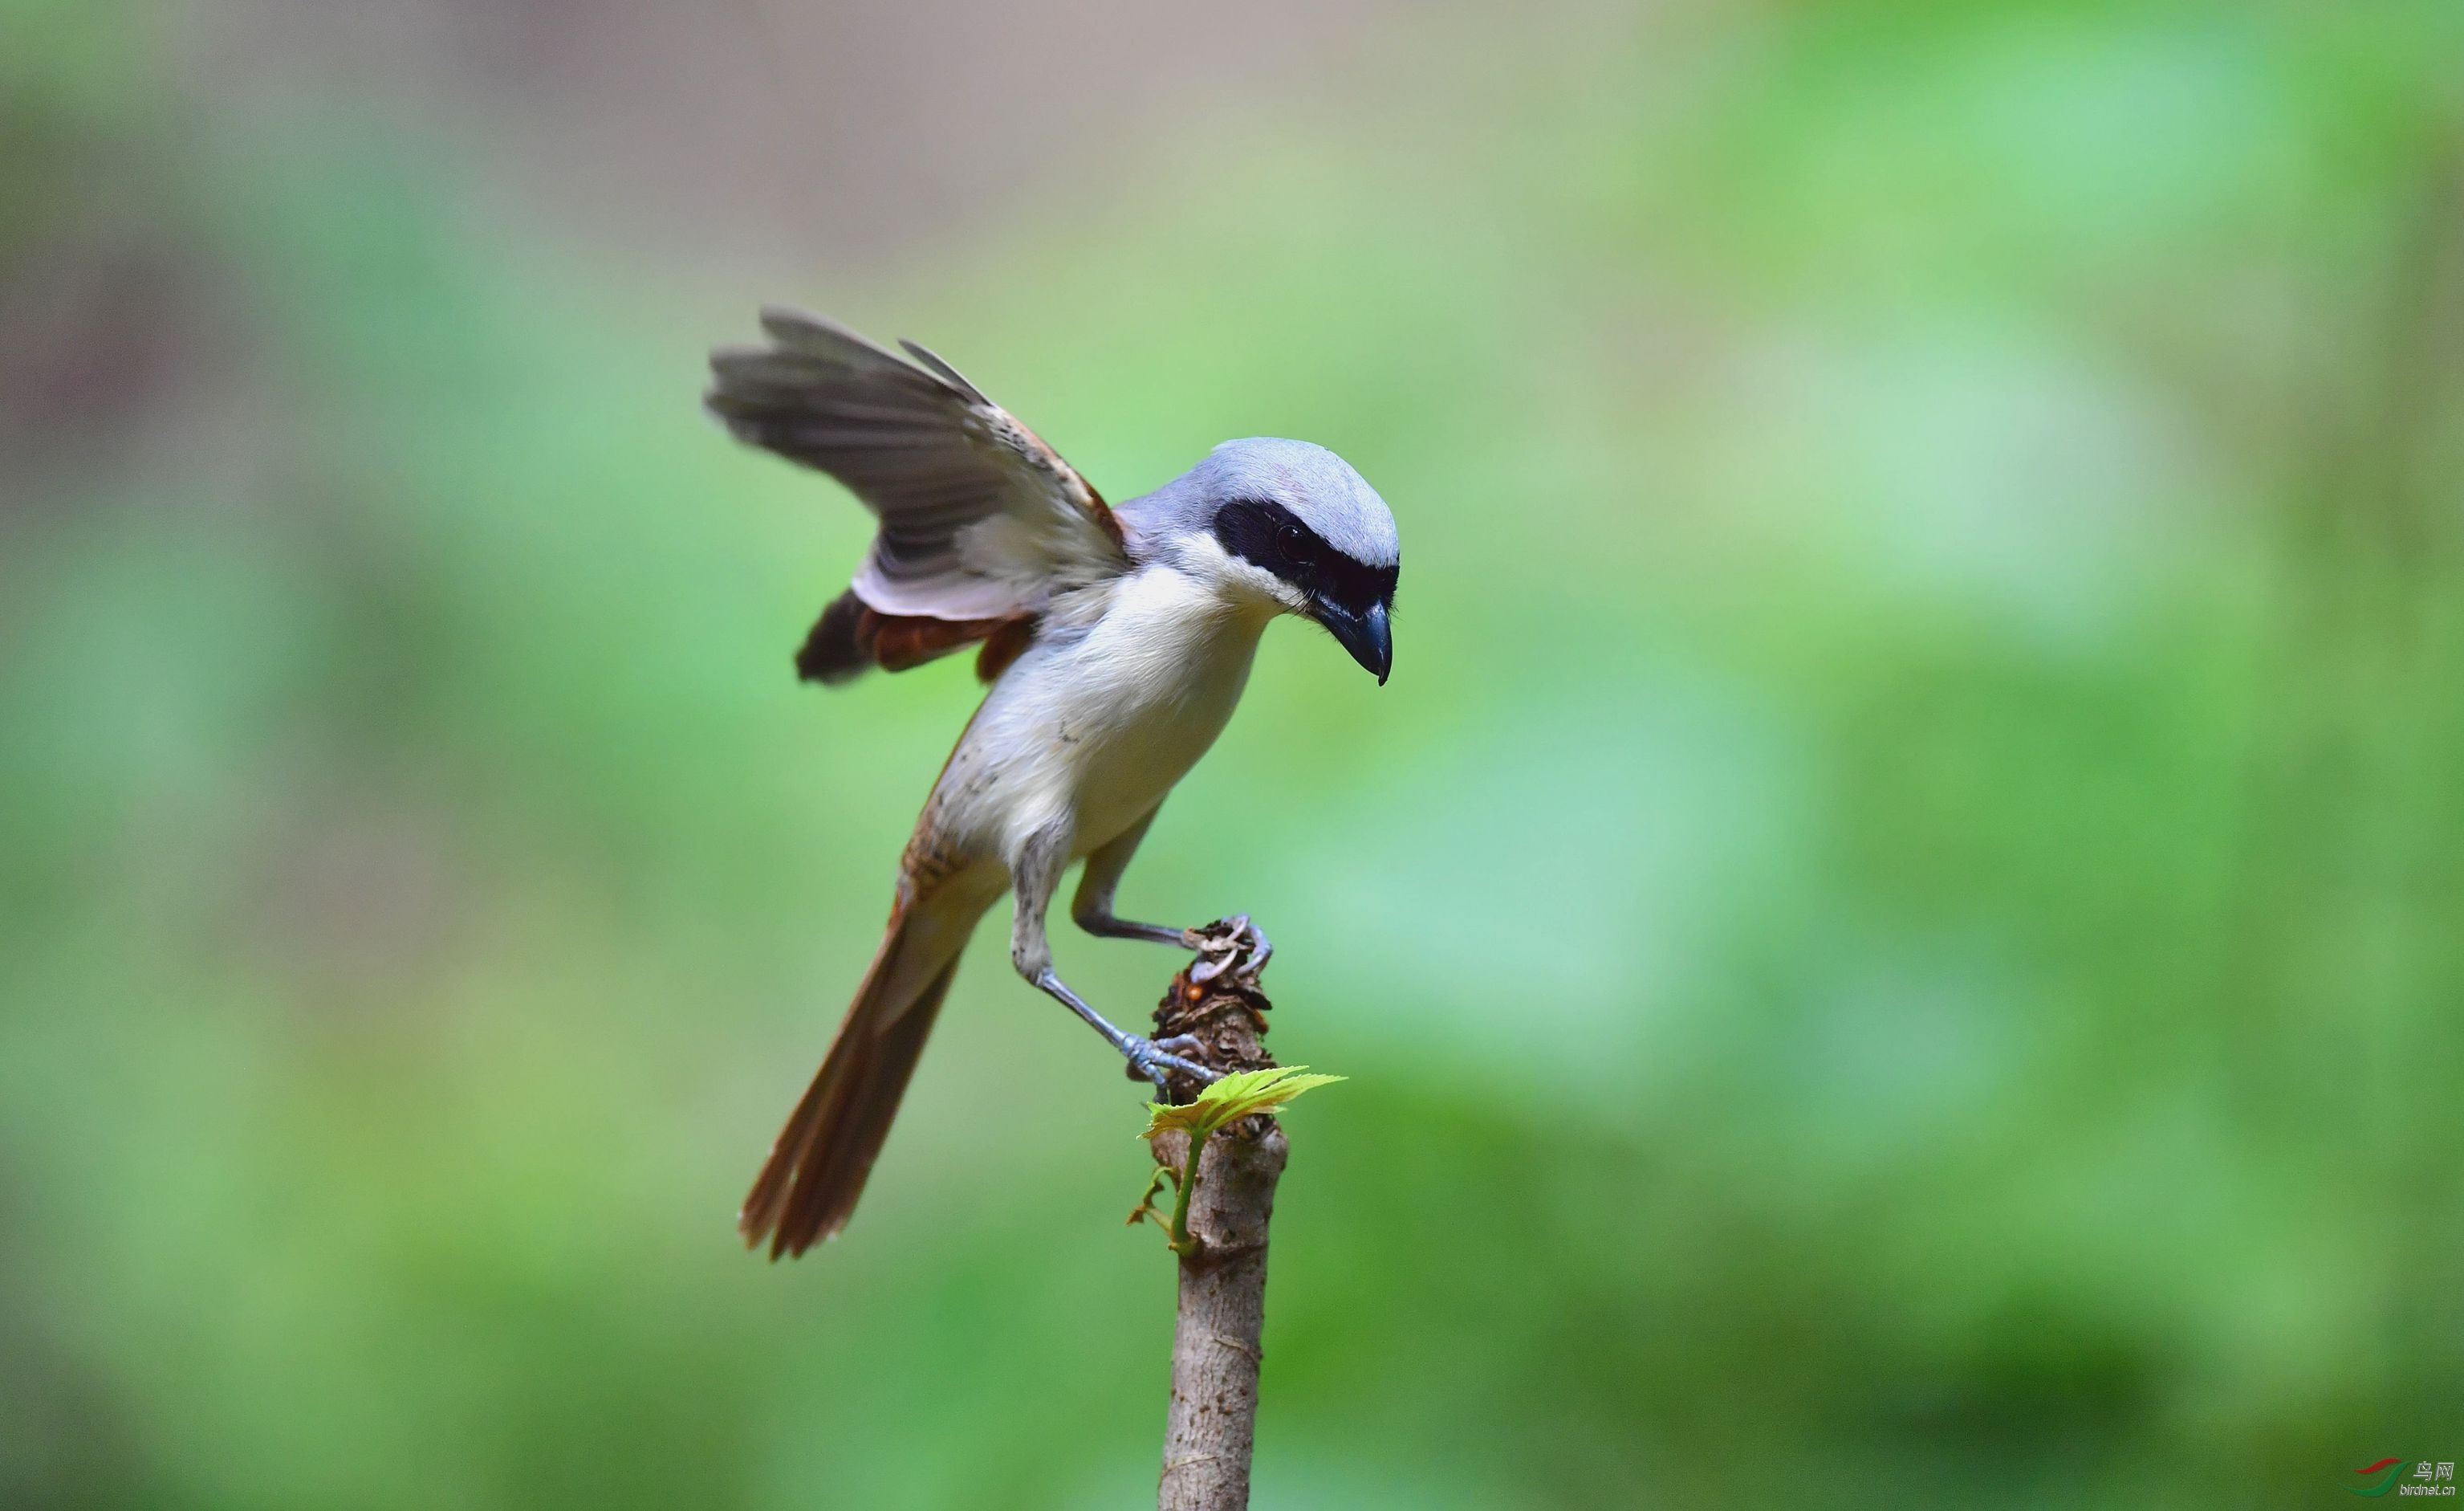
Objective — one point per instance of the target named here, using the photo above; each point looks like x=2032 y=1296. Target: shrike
x=1117 y=642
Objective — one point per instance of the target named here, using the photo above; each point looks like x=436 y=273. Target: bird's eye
x=1294 y=542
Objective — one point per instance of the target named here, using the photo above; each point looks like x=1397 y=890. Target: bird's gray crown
x=1301 y=513
x=1289 y=508
x=1317 y=488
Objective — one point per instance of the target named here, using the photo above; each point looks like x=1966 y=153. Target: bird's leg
x=1104 y=925
x=1092 y=908
x=1145 y=1055
x=1034 y=875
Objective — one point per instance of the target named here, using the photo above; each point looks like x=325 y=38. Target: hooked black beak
x=1364 y=634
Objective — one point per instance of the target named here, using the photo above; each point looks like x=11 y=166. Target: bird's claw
x=1154 y=1059
x=1233 y=944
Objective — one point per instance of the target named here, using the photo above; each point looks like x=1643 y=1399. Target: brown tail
x=808 y=1188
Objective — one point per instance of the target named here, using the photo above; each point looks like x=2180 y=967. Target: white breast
x=1096 y=725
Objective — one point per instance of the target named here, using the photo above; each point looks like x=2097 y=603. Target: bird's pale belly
x=1125 y=771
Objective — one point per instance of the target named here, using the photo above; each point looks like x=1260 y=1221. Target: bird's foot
x=1232 y=945
x=1156 y=1059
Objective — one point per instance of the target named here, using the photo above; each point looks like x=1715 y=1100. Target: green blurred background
x=1898 y=930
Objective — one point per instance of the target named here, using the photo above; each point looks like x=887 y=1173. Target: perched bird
x=1115 y=641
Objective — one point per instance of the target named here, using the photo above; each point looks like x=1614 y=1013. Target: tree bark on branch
x=1216 y=1353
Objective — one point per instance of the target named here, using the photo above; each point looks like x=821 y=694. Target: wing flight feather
x=979 y=520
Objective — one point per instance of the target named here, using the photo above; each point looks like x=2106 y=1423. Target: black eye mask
x=1267 y=535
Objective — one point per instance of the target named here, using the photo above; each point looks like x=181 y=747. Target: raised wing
x=980 y=520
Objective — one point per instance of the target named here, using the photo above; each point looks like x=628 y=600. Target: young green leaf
x=1233 y=1098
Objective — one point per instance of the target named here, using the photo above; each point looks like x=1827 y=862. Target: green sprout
x=1228 y=1101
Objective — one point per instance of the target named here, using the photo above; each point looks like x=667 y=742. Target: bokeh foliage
x=1895 y=933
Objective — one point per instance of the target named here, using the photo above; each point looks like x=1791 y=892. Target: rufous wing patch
x=1003 y=646
x=851 y=638
x=1102 y=514
x=900 y=641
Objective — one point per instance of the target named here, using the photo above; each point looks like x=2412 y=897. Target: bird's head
x=1291 y=526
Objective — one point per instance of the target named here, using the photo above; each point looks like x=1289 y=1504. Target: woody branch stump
x=1222 y=1201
